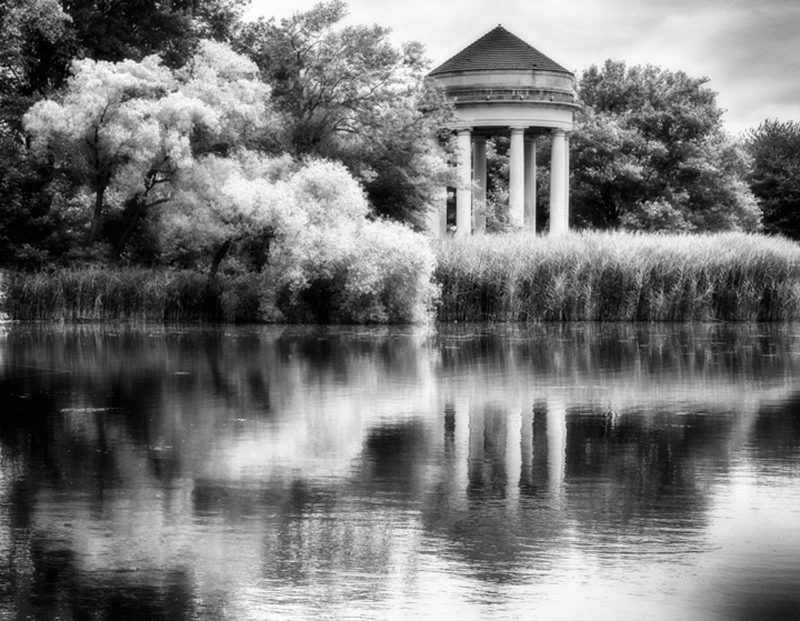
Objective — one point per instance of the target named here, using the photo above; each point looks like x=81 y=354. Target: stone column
x=479 y=185
x=566 y=184
x=516 y=181
x=558 y=178
x=530 y=184
x=464 y=191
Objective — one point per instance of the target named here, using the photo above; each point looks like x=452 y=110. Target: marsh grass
x=516 y=277
x=619 y=277
x=132 y=294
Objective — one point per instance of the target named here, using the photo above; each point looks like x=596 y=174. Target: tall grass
x=619 y=277
x=95 y=294
x=516 y=277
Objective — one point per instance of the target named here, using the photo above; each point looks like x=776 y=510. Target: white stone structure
x=500 y=85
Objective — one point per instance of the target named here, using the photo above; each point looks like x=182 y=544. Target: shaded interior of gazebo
x=501 y=85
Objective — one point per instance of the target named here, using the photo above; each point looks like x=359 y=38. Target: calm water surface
x=557 y=472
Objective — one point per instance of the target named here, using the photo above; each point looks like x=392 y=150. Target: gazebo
x=500 y=85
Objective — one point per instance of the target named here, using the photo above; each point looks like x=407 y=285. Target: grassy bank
x=96 y=294
x=619 y=277
x=580 y=277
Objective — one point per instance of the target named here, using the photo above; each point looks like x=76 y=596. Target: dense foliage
x=775 y=174
x=649 y=153
x=346 y=93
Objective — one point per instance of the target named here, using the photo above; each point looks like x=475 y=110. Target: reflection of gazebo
x=500 y=85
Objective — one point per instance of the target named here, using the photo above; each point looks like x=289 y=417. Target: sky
x=749 y=49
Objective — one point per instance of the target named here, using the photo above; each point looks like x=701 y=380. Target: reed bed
x=128 y=294
x=619 y=277
x=516 y=277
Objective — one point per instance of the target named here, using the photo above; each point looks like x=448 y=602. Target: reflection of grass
x=619 y=277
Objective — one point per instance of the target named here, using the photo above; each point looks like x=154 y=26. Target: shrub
x=379 y=272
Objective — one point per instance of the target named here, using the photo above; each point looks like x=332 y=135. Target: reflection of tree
x=303 y=458
x=775 y=439
x=644 y=473
x=58 y=589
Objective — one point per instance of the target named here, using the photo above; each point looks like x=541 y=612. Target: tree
x=347 y=93
x=34 y=45
x=775 y=175
x=125 y=129
x=40 y=38
x=649 y=153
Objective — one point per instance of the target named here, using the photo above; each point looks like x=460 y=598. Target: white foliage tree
x=127 y=128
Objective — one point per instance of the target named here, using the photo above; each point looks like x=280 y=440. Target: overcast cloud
x=749 y=49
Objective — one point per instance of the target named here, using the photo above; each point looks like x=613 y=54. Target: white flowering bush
x=376 y=272
x=345 y=268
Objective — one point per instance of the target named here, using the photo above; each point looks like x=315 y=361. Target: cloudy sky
x=749 y=49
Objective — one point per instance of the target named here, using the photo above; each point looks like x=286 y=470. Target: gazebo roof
x=498 y=50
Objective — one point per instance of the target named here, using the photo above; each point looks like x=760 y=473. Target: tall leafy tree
x=650 y=153
x=34 y=44
x=124 y=130
x=347 y=93
x=775 y=175
x=39 y=39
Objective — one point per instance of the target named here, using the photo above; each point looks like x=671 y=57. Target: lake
x=577 y=471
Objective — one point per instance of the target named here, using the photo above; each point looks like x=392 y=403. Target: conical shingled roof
x=498 y=50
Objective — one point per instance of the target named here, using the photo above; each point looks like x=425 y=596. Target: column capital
x=558 y=132
x=517 y=130
x=462 y=131
x=479 y=138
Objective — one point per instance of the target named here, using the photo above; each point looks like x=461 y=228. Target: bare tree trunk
x=218 y=257
x=137 y=211
x=96 y=215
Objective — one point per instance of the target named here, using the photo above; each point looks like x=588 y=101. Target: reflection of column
x=449 y=430
x=539 y=466
x=516 y=177
x=558 y=177
x=479 y=185
x=526 y=449
x=464 y=192
x=556 y=444
x=461 y=441
x=530 y=184
x=476 y=446
x=513 y=458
